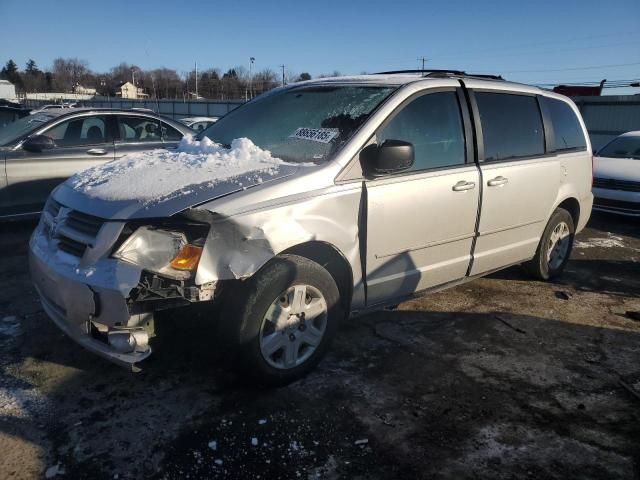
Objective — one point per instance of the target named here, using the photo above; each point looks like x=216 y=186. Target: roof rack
x=428 y=71
x=443 y=73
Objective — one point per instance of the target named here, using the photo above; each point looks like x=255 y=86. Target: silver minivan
x=312 y=203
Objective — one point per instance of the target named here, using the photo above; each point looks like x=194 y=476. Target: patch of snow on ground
x=18 y=402
x=609 y=242
x=17 y=398
x=159 y=174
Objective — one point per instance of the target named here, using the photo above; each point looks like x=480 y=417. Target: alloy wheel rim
x=558 y=246
x=293 y=327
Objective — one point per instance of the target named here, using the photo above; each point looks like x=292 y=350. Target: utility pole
x=251 y=61
x=282 y=66
x=196 y=80
x=423 y=59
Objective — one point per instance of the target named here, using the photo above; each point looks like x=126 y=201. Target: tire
x=543 y=266
x=260 y=315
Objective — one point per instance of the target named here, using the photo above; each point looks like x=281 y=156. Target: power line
x=590 y=67
x=536 y=44
x=527 y=45
x=534 y=52
x=607 y=84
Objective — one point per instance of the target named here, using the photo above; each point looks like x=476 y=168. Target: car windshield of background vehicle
x=16 y=130
x=304 y=124
x=622 y=147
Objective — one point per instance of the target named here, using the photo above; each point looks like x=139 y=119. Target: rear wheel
x=283 y=319
x=554 y=248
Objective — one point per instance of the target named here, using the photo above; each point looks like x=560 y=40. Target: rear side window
x=511 y=126
x=433 y=125
x=567 y=130
x=138 y=129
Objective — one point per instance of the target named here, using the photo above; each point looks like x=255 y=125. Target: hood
x=161 y=183
x=617 y=168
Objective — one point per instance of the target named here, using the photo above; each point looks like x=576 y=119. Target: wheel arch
x=571 y=205
x=333 y=260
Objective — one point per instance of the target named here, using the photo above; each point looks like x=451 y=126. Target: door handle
x=462 y=185
x=97 y=151
x=496 y=182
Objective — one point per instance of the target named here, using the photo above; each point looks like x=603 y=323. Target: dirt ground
x=501 y=378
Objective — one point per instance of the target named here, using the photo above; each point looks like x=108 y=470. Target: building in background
x=80 y=90
x=129 y=90
x=7 y=90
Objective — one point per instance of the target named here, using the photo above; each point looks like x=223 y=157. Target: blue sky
x=534 y=42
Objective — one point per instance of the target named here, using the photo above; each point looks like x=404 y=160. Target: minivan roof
x=403 y=77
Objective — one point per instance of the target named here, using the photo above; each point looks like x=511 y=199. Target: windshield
x=304 y=124
x=20 y=128
x=622 y=147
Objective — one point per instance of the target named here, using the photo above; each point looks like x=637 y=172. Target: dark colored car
x=10 y=112
x=41 y=150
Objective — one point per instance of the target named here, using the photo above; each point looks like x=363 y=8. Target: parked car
x=53 y=106
x=198 y=123
x=10 y=112
x=313 y=203
x=616 y=183
x=40 y=151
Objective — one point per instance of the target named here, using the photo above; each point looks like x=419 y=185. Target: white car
x=53 y=106
x=616 y=176
x=198 y=123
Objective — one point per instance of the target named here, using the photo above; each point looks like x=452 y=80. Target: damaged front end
x=101 y=281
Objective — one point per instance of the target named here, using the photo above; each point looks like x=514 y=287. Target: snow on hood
x=161 y=183
x=160 y=174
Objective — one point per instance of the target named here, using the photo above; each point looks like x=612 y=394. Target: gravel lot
x=503 y=377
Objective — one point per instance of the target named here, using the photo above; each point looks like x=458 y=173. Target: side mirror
x=390 y=157
x=38 y=143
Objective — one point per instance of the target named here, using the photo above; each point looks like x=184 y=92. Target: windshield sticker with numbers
x=322 y=135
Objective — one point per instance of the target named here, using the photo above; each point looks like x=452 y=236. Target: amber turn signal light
x=187 y=258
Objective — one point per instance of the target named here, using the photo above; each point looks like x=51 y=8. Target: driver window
x=432 y=123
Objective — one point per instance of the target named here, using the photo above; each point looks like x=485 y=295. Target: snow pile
x=610 y=242
x=161 y=174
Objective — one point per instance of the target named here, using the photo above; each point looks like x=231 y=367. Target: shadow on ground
x=403 y=393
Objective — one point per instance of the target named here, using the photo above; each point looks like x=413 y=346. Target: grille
x=622 y=206
x=73 y=231
x=613 y=184
x=84 y=223
x=52 y=207
x=71 y=246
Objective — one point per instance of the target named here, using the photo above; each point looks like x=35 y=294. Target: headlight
x=161 y=251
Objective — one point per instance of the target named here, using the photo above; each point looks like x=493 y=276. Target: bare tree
x=69 y=72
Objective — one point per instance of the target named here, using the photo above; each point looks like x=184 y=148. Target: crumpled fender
x=238 y=245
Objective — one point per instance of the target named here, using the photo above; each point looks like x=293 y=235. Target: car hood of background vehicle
x=161 y=183
x=618 y=168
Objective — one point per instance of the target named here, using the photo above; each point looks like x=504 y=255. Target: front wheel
x=554 y=248
x=284 y=318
